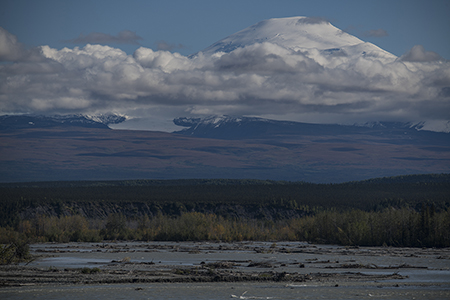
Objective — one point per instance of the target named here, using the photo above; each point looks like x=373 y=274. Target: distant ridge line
x=414 y=178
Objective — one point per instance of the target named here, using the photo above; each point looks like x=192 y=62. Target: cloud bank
x=262 y=79
x=12 y=50
x=9 y=46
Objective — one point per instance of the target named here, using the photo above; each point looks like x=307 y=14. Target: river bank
x=290 y=265
x=134 y=262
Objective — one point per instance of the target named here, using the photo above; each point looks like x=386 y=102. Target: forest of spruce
x=409 y=211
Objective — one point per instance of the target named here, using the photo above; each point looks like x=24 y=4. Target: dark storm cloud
x=123 y=37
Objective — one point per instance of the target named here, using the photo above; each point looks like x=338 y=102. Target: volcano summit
x=300 y=34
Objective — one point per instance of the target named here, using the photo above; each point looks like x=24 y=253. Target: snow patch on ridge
x=216 y=121
x=433 y=125
x=107 y=118
x=72 y=119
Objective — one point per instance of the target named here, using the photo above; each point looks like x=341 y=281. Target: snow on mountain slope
x=437 y=126
x=232 y=127
x=34 y=121
x=299 y=34
x=106 y=119
x=291 y=33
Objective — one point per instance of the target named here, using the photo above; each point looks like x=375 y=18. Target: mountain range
x=217 y=147
x=84 y=147
x=40 y=121
x=229 y=127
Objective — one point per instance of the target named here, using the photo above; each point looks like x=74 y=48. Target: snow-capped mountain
x=324 y=44
x=308 y=35
x=230 y=127
x=34 y=121
x=436 y=126
x=106 y=119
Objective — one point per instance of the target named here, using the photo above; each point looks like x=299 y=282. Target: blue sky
x=190 y=26
x=137 y=61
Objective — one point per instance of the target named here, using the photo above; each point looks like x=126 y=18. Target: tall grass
x=391 y=227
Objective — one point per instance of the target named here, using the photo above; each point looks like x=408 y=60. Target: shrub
x=14 y=252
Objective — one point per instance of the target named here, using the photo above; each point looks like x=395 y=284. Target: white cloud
x=12 y=50
x=418 y=53
x=260 y=79
x=9 y=46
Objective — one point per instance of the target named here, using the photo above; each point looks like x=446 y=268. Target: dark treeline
x=398 y=211
x=365 y=195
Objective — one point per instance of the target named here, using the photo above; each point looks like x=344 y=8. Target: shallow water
x=428 y=271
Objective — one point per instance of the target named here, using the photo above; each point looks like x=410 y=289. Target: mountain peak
x=298 y=34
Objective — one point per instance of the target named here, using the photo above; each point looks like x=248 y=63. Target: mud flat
x=293 y=264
